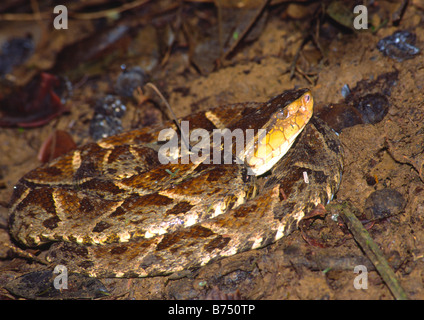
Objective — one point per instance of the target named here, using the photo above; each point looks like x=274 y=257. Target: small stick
x=296 y=56
x=183 y=137
x=373 y=252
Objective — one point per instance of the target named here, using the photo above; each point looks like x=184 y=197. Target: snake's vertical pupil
x=307 y=98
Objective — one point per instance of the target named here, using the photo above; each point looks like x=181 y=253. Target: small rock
x=107 y=118
x=373 y=107
x=384 y=203
x=340 y=116
x=129 y=80
x=399 y=46
x=15 y=52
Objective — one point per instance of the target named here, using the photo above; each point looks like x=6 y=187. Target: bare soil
x=390 y=151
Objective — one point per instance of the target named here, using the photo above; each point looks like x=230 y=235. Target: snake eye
x=307 y=98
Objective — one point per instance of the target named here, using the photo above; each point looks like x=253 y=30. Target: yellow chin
x=259 y=163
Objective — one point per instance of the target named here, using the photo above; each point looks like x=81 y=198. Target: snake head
x=278 y=134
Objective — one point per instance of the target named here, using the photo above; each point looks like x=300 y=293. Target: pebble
x=129 y=80
x=384 y=203
x=373 y=107
x=14 y=52
x=106 y=121
x=399 y=46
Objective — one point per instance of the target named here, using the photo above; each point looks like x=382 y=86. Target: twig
x=75 y=15
x=24 y=16
x=373 y=252
x=109 y=12
x=296 y=56
x=183 y=137
x=306 y=75
x=36 y=9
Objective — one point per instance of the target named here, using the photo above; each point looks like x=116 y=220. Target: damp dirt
x=387 y=154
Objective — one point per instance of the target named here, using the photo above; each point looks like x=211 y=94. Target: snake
x=114 y=208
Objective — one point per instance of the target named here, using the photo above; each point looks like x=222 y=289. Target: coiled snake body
x=114 y=210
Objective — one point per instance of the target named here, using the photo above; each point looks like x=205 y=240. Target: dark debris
x=384 y=203
x=129 y=80
x=107 y=117
x=35 y=104
x=399 y=46
x=40 y=285
x=373 y=107
x=15 y=52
